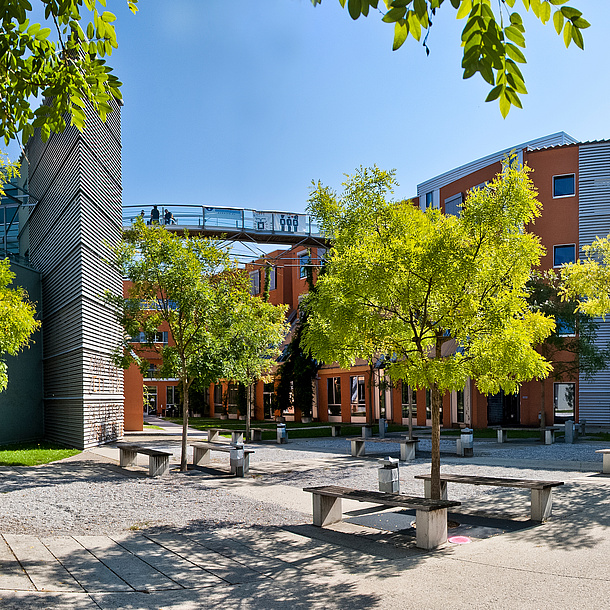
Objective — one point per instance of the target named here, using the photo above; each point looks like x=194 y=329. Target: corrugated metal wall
x=75 y=178
x=594 y=221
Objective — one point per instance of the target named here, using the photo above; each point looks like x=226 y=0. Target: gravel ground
x=88 y=494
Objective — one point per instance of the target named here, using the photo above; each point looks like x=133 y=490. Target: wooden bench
x=541 y=491
x=407 y=446
x=430 y=515
x=606 y=460
x=158 y=461
x=237 y=436
x=549 y=433
x=201 y=456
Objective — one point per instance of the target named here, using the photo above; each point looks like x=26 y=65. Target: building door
x=268 y=390
x=503 y=409
x=150 y=399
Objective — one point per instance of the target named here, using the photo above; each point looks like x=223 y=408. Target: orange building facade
x=574 y=188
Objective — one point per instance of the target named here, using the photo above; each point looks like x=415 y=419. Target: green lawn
x=32 y=454
x=151 y=427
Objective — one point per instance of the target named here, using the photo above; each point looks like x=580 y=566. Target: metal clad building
x=75 y=182
x=594 y=221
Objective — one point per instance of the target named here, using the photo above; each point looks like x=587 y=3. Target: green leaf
x=108 y=17
x=577 y=38
x=494 y=94
x=567 y=34
x=401 y=31
x=570 y=13
x=545 y=12
x=513 y=34
x=353 y=7
x=420 y=7
x=394 y=15
x=515 y=53
x=504 y=105
x=558 y=21
x=414 y=25
x=43 y=33
x=464 y=10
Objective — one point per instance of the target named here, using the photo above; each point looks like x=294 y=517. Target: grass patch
x=152 y=427
x=33 y=453
x=599 y=436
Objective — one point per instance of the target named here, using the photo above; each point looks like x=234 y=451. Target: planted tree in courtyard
x=571 y=348
x=442 y=296
x=191 y=284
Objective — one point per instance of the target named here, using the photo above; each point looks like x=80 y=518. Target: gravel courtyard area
x=89 y=494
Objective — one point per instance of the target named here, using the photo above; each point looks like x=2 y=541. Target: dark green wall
x=21 y=408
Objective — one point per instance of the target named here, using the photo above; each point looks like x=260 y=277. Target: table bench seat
x=430 y=515
x=606 y=460
x=237 y=436
x=407 y=446
x=548 y=432
x=158 y=461
x=541 y=491
x=201 y=456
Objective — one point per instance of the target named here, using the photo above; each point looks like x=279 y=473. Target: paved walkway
x=561 y=564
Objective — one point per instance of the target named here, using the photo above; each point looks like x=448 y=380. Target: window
x=218 y=398
x=429 y=406
x=357 y=391
x=564 y=186
x=255 y=281
x=564 y=254
x=564 y=401
x=304 y=261
x=563 y=328
x=172 y=395
x=409 y=402
x=333 y=385
x=453 y=205
x=268 y=391
x=429 y=199
x=272 y=278
x=232 y=398
x=460 y=406
x=158 y=337
x=152 y=371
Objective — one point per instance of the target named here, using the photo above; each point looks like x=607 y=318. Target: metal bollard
x=282 y=435
x=237 y=460
x=389 y=476
x=467 y=442
x=569 y=432
x=382 y=427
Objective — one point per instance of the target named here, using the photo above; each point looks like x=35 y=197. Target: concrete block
x=326 y=510
x=201 y=456
x=357 y=448
x=158 y=465
x=542 y=504
x=407 y=452
x=430 y=528
x=428 y=489
x=127 y=457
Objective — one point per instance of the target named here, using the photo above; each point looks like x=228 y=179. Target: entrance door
x=503 y=409
x=150 y=396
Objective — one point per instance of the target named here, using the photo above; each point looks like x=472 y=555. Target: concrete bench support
x=158 y=465
x=542 y=504
x=407 y=451
x=502 y=436
x=326 y=510
x=357 y=447
x=127 y=457
x=407 y=446
x=430 y=528
x=605 y=460
x=158 y=461
x=237 y=436
x=428 y=489
x=201 y=456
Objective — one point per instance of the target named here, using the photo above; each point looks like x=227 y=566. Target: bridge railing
x=227 y=219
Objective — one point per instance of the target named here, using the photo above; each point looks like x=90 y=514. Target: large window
x=408 y=402
x=564 y=328
x=172 y=396
x=272 y=278
x=333 y=385
x=157 y=337
x=564 y=401
x=429 y=199
x=218 y=399
x=429 y=406
x=564 y=254
x=453 y=205
x=255 y=282
x=304 y=261
x=232 y=398
x=358 y=395
x=268 y=390
x=564 y=186
x=460 y=406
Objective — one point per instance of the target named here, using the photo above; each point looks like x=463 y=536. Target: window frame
x=357 y=407
x=573 y=174
x=303 y=266
x=333 y=382
x=255 y=282
x=555 y=265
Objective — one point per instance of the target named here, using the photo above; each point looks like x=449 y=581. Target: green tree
x=493 y=37
x=443 y=296
x=587 y=281
x=571 y=347
x=63 y=63
x=191 y=284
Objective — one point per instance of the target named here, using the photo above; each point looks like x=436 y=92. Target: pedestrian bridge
x=235 y=224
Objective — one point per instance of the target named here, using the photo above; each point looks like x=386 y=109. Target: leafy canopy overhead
x=61 y=60
x=493 y=36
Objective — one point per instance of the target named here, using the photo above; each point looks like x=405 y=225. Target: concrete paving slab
x=87 y=570
x=45 y=572
x=12 y=575
x=217 y=565
x=182 y=572
x=21 y=600
x=132 y=569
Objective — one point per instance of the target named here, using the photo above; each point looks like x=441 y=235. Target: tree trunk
x=248 y=405
x=410 y=398
x=542 y=405
x=185 y=424
x=435 y=472
x=369 y=411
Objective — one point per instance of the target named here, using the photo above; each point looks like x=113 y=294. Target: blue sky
x=245 y=103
